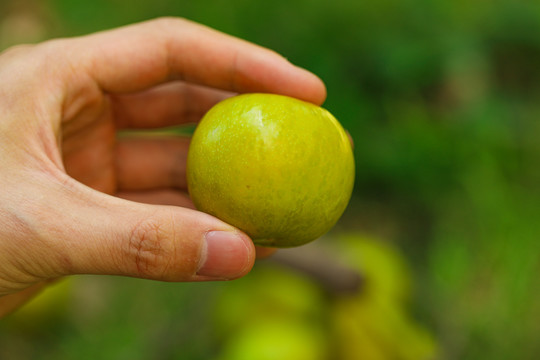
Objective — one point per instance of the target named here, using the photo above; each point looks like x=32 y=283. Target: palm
x=89 y=147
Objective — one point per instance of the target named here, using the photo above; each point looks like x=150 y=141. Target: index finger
x=140 y=56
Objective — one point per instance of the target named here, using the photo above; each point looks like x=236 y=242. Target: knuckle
x=149 y=248
x=156 y=250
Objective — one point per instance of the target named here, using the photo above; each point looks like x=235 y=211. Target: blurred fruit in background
x=273 y=313
x=268 y=292
x=278 y=338
x=281 y=313
x=377 y=322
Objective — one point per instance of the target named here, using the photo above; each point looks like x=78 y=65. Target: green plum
x=278 y=168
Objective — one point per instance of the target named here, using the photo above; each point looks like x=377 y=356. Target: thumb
x=102 y=234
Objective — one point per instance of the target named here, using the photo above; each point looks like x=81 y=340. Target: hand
x=77 y=199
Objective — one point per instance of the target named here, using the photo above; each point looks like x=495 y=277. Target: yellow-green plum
x=278 y=168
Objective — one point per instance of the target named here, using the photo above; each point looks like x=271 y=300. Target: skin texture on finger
x=144 y=163
x=140 y=56
x=165 y=105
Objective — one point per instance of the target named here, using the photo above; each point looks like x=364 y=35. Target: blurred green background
x=442 y=100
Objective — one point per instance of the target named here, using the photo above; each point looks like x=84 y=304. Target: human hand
x=77 y=199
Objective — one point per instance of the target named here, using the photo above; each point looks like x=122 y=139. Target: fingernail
x=226 y=256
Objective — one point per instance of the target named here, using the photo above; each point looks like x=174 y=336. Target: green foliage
x=114 y=318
